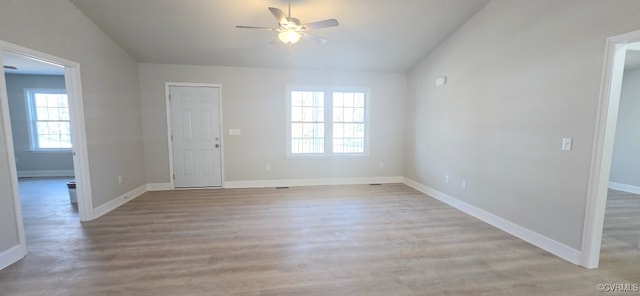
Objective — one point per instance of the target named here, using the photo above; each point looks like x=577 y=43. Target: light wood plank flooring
x=329 y=240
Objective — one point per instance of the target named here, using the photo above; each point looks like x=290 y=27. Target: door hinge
x=171 y=137
x=174 y=177
x=169 y=97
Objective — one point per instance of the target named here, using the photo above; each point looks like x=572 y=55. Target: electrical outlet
x=446 y=179
x=381 y=165
x=463 y=185
x=120 y=179
x=267 y=167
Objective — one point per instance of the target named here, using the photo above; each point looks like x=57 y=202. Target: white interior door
x=195 y=128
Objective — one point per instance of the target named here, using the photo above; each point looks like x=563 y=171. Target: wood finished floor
x=330 y=240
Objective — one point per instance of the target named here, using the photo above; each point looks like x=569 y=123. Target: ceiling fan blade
x=316 y=39
x=280 y=16
x=321 y=24
x=252 y=27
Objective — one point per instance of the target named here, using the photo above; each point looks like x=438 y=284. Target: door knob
x=217 y=145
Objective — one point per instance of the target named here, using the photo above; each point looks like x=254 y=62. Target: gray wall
x=522 y=75
x=253 y=100
x=109 y=87
x=27 y=160
x=625 y=168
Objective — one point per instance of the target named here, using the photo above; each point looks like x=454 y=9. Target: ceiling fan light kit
x=290 y=30
x=289 y=37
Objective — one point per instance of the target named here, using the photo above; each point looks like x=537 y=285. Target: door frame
x=78 y=135
x=167 y=87
x=602 y=152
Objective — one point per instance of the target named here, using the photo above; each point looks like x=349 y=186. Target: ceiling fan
x=290 y=30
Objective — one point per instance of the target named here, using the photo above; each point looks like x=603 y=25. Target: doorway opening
x=48 y=133
x=606 y=124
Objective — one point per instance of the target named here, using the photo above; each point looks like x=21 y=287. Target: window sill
x=50 y=150
x=332 y=155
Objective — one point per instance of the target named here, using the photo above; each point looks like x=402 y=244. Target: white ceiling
x=374 y=35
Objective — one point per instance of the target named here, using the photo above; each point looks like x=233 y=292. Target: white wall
x=625 y=167
x=522 y=75
x=29 y=162
x=109 y=87
x=254 y=101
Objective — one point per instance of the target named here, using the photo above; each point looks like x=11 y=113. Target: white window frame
x=328 y=120
x=32 y=117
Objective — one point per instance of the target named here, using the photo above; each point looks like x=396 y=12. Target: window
x=49 y=119
x=327 y=122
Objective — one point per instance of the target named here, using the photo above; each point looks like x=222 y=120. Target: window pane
x=349 y=122
x=42 y=128
x=358 y=115
x=358 y=100
x=307 y=99
x=348 y=114
x=307 y=130
x=43 y=141
x=296 y=98
x=62 y=101
x=296 y=130
x=338 y=99
x=307 y=114
x=348 y=99
x=296 y=113
x=348 y=130
x=358 y=130
x=338 y=115
x=338 y=130
x=53 y=114
x=319 y=130
x=42 y=114
x=63 y=113
x=52 y=100
x=41 y=100
x=338 y=145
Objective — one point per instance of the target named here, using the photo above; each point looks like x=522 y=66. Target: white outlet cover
x=234 y=132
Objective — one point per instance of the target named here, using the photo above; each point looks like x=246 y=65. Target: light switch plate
x=567 y=144
x=234 y=132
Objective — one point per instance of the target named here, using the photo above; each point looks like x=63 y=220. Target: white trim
x=624 y=187
x=552 y=246
x=328 y=121
x=78 y=132
x=159 y=186
x=167 y=91
x=118 y=201
x=602 y=149
x=46 y=173
x=311 y=182
x=12 y=255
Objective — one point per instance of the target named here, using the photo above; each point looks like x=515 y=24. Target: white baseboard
x=624 y=187
x=159 y=186
x=311 y=182
x=118 y=201
x=552 y=246
x=48 y=173
x=12 y=255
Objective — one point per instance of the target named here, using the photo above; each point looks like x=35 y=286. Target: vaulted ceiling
x=374 y=35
